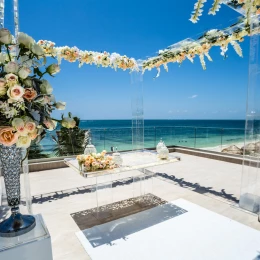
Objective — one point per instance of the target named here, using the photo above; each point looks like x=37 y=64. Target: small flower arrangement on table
x=96 y=161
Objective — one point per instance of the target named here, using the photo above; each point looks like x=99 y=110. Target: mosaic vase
x=17 y=224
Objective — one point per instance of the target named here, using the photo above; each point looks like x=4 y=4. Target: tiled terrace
x=212 y=184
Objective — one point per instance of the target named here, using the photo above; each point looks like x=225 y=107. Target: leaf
x=37 y=72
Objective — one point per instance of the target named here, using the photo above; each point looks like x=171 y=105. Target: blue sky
x=139 y=29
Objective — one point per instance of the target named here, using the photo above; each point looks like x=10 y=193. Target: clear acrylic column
x=250 y=184
x=137 y=111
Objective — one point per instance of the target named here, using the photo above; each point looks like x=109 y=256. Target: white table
x=34 y=245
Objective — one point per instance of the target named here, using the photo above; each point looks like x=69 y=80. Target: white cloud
x=193 y=96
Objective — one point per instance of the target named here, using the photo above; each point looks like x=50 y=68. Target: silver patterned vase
x=17 y=224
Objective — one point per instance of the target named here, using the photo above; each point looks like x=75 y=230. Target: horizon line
x=155 y=119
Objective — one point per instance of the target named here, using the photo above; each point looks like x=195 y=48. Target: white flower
x=2 y=57
x=17 y=123
x=52 y=99
x=37 y=49
x=11 y=67
x=26 y=61
x=3 y=88
x=24 y=72
x=19 y=126
x=23 y=141
x=60 y=105
x=53 y=69
x=15 y=92
x=50 y=124
x=5 y=36
x=45 y=87
x=11 y=79
x=68 y=122
x=25 y=39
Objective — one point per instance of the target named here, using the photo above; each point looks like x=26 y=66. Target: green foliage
x=70 y=141
x=36 y=152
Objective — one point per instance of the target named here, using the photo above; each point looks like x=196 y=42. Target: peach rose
x=29 y=94
x=7 y=136
x=30 y=127
x=33 y=135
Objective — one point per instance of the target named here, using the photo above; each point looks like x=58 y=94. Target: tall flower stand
x=35 y=244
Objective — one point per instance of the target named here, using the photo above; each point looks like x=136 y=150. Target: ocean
x=208 y=134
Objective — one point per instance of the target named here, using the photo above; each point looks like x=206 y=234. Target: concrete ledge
x=231 y=158
x=43 y=166
x=56 y=163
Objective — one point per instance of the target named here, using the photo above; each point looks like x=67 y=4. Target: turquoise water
x=190 y=133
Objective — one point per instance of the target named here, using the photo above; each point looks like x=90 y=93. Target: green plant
x=36 y=152
x=71 y=141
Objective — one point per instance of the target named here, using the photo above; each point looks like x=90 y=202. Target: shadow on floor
x=198 y=188
x=57 y=195
x=109 y=232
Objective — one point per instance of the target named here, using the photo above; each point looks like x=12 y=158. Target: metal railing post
x=155 y=136
x=221 y=131
x=195 y=136
x=104 y=138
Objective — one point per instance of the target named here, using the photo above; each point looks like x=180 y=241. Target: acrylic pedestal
x=33 y=245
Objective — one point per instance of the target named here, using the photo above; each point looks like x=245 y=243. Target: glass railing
x=208 y=138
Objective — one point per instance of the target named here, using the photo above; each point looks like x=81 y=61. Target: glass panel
x=120 y=138
x=104 y=195
x=137 y=111
x=232 y=136
x=184 y=136
x=138 y=186
x=209 y=138
x=98 y=138
x=150 y=137
x=164 y=133
x=250 y=187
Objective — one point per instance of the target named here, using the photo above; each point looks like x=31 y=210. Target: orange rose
x=8 y=137
x=29 y=94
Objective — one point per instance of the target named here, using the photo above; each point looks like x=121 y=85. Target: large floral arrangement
x=189 y=49
x=96 y=161
x=246 y=7
x=26 y=99
x=103 y=59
